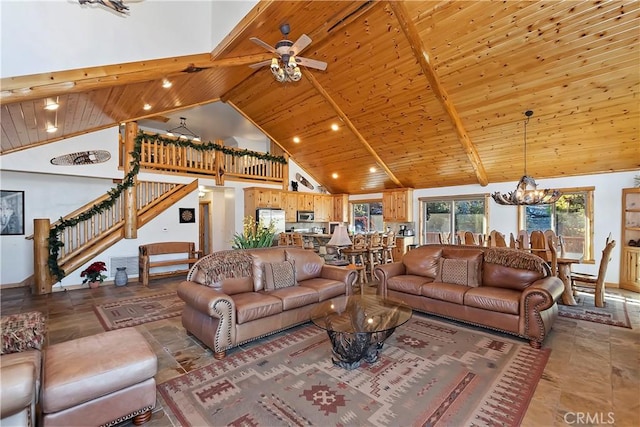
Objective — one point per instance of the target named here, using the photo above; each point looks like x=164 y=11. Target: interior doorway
x=204 y=227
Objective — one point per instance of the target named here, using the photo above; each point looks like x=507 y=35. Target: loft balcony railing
x=159 y=156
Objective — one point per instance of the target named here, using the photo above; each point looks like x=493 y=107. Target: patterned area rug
x=136 y=311
x=428 y=373
x=613 y=313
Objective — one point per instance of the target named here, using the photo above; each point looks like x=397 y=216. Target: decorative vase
x=95 y=284
x=121 y=277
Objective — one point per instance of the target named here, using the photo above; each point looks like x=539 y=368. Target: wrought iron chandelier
x=527 y=192
x=183 y=131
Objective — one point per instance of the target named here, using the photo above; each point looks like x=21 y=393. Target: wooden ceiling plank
x=314 y=82
x=410 y=31
x=37 y=86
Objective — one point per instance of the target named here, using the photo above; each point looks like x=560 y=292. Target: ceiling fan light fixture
x=526 y=192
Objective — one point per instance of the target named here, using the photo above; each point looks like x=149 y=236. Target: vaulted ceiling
x=429 y=94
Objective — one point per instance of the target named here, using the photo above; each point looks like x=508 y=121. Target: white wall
x=40 y=36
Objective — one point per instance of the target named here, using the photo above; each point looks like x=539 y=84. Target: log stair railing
x=87 y=239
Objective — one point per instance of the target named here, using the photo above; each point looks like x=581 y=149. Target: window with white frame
x=446 y=216
x=571 y=217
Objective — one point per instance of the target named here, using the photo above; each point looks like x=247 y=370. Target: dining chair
x=512 y=241
x=443 y=238
x=523 y=240
x=539 y=245
x=432 y=237
x=597 y=281
x=496 y=239
x=470 y=238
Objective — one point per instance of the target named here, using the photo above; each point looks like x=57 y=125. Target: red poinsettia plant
x=93 y=273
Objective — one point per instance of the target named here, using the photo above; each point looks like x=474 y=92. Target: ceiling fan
x=285 y=66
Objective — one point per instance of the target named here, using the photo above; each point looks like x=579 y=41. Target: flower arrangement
x=93 y=273
x=254 y=235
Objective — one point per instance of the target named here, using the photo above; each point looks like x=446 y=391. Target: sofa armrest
x=205 y=299
x=384 y=272
x=340 y=274
x=18 y=388
x=538 y=309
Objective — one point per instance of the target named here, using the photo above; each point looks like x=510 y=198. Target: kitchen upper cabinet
x=397 y=205
x=340 y=208
x=256 y=197
x=322 y=207
x=305 y=201
x=290 y=204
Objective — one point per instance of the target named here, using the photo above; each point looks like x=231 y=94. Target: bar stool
x=284 y=240
x=297 y=240
x=375 y=253
x=357 y=258
x=388 y=245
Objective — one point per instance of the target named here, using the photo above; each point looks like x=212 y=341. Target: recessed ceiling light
x=146 y=107
x=372 y=169
x=166 y=84
x=296 y=139
x=335 y=126
x=51 y=105
x=334 y=175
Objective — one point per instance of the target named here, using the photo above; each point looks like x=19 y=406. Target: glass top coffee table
x=358 y=325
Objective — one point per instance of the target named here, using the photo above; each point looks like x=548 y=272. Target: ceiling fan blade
x=300 y=44
x=264 y=45
x=260 y=64
x=311 y=63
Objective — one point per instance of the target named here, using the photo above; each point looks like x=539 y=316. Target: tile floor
x=591 y=378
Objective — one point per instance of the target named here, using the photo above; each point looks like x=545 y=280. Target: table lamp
x=340 y=239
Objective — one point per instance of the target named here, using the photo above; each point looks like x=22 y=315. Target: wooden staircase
x=87 y=239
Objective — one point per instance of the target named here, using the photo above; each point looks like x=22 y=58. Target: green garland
x=129 y=180
x=212 y=146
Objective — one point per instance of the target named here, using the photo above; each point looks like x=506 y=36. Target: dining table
x=565 y=261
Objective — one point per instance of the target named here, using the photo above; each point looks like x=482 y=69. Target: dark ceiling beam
x=36 y=86
x=314 y=82
x=420 y=53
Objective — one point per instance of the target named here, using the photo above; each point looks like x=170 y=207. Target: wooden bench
x=147 y=254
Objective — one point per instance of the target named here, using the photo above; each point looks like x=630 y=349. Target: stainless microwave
x=305 y=216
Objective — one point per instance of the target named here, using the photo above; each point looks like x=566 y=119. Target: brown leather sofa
x=233 y=297
x=502 y=289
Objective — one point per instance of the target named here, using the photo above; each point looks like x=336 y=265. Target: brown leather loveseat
x=501 y=289
x=233 y=297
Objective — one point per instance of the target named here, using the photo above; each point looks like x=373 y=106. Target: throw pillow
x=458 y=271
x=278 y=275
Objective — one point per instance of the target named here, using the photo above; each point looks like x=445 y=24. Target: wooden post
x=41 y=273
x=218 y=165
x=130 y=200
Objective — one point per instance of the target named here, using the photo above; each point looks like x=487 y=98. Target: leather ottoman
x=97 y=380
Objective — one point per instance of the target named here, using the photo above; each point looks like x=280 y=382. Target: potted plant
x=254 y=235
x=93 y=274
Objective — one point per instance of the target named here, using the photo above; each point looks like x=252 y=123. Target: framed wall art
x=187 y=215
x=11 y=212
